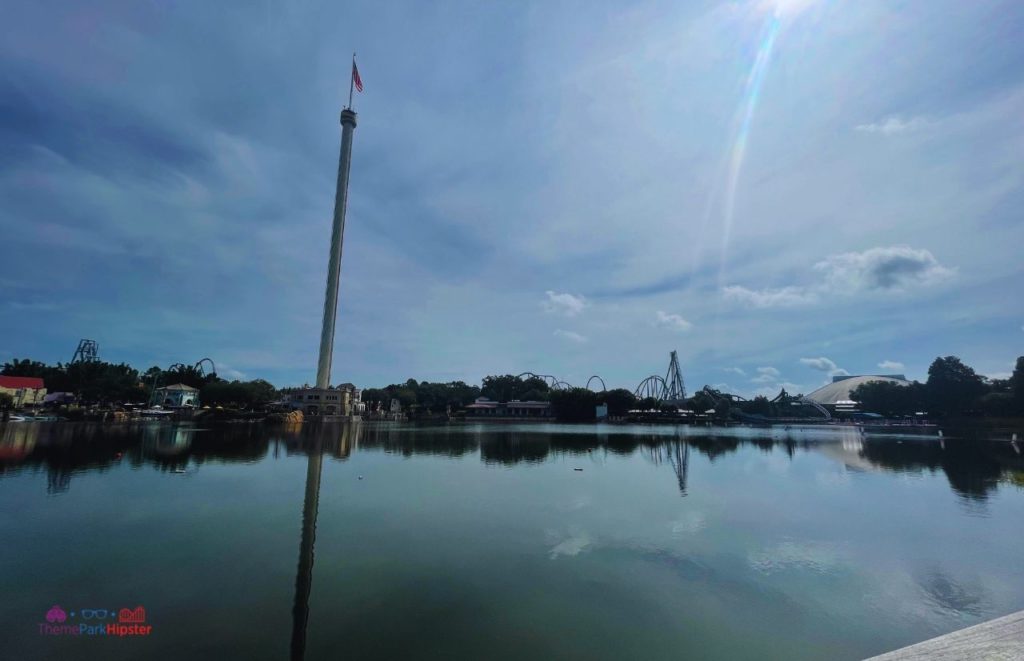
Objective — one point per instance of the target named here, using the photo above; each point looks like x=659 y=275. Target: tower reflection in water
x=316 y=439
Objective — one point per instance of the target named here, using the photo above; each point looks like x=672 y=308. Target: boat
x=155 y=412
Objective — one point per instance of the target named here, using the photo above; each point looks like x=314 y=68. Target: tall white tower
x=323 y=370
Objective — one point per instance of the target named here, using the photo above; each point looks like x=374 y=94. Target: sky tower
x=348 y=127
x=322 y=400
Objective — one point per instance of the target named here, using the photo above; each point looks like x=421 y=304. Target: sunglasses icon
x=98 y=614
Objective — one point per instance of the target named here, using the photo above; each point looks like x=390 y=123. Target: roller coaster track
x=653 y=386
x=669 y=388
x=552 y=382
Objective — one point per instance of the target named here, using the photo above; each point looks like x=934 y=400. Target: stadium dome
x=841 y=387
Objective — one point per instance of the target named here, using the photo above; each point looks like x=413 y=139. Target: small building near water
x=343 y=400
x=486 y=409
x=24 y=390
x=177 y=395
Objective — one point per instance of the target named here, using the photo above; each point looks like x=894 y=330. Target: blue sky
x=781 y=191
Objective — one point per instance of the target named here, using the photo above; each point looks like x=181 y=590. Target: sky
x=782 y=191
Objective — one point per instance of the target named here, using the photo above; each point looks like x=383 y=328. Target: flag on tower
x=356 y=80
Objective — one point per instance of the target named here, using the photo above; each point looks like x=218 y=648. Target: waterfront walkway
x=1001 y=639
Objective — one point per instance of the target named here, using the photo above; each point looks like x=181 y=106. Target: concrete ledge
x=1001 y=639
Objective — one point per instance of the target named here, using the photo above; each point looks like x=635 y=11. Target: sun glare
x=787 y=8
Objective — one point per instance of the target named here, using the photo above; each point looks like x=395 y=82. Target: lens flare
x=748 y=104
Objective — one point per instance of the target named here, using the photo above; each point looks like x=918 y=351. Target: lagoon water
x=501 y=542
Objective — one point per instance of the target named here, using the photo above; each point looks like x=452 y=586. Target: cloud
x=734 y=370
x=34 y=306
x=824 y=365
x=766 y=375
x=892 y=267
x=570 y=336
x=895 y=124
x=566 y=304
x=672 y=321
x=770 y=298
x=890 y=365
x=228 y=372
x=773 y=389
x=884 y=268
x=575 y=542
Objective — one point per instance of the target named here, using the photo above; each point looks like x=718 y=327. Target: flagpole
x=351 y=80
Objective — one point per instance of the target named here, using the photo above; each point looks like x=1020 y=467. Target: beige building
x=24 y=390
x=341 y=400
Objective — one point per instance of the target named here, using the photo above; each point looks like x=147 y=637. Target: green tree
x=1017 y=385
x=238 y=394
x=620 y=401
x=760 y=405
x=505 y=388
x=952 y=386
x=649 y=404
x=888 y=398
x=25 y=367
x=574 y=405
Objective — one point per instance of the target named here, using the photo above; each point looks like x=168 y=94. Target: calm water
x=486 y=542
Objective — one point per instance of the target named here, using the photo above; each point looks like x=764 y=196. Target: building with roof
x=486 y=409
x=177 y=395
x=838 y=394
x=24 y=390
x=343 y=400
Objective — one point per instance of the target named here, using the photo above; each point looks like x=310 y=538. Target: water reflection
x=772 y=550
x=974 y=468
x=947 y=594
x=304 y=572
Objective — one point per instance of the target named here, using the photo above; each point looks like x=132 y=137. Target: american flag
x=356 y=80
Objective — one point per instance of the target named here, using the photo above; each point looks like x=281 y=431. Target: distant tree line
x=421 y=396
x=99 y=382
x=94 y=381
x=952 y=389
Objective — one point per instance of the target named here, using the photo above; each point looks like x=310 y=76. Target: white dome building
x=838 y=392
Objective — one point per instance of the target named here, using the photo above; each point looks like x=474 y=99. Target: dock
x=1000 y=639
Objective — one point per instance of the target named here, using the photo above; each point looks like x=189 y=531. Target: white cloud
x=565 y=303
x=895 y=124
x=884 y=268
x=766 y=375
x=890 y=365
x=570 y=336
x=770 y=298
x=824 y=365
x=672 y=321
x=228 y=372
x=577 y=541
x=770 y=391
x=892 y=267
x=734 y=370
x=999 y=375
